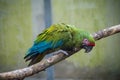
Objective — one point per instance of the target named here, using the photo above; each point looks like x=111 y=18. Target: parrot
x=59 y=37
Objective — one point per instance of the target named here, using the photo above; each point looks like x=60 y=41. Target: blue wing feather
x=43 y=46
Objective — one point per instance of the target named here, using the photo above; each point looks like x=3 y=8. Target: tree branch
x=20 y=74
x=106 y=32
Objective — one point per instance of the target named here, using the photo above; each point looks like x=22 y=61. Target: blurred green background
x=22 y=20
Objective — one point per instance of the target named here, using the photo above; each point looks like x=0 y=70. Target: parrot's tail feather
x=36 y=59
x=38 y=48
x=30 y=57
x=27 y=56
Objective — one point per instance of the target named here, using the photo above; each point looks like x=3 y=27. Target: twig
x=20 y=74
x=106 y=32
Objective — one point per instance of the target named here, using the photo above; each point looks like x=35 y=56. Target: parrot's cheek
x=87 y=48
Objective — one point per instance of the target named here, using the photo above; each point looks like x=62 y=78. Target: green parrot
x=59 y=37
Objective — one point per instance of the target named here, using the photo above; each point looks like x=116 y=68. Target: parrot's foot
x=61 y=51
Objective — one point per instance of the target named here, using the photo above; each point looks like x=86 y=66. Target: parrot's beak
x=87 y=48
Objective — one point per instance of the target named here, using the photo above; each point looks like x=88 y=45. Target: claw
x=64 y=52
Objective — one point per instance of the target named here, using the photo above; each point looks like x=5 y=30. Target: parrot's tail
x=37 y=52
x=35 y=59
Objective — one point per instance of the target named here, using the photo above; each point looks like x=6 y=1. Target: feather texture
x=57 y=36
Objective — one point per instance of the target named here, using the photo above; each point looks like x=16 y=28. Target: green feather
x=69 y=35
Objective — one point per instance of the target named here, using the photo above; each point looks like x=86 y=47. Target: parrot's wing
x=52 y=38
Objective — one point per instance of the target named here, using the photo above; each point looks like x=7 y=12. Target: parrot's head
x=88 y=43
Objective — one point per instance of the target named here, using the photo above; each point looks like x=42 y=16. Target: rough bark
x=106 y=32
x=20 y=74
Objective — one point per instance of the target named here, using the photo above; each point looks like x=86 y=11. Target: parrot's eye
x=86 y=46
x=85 y=41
